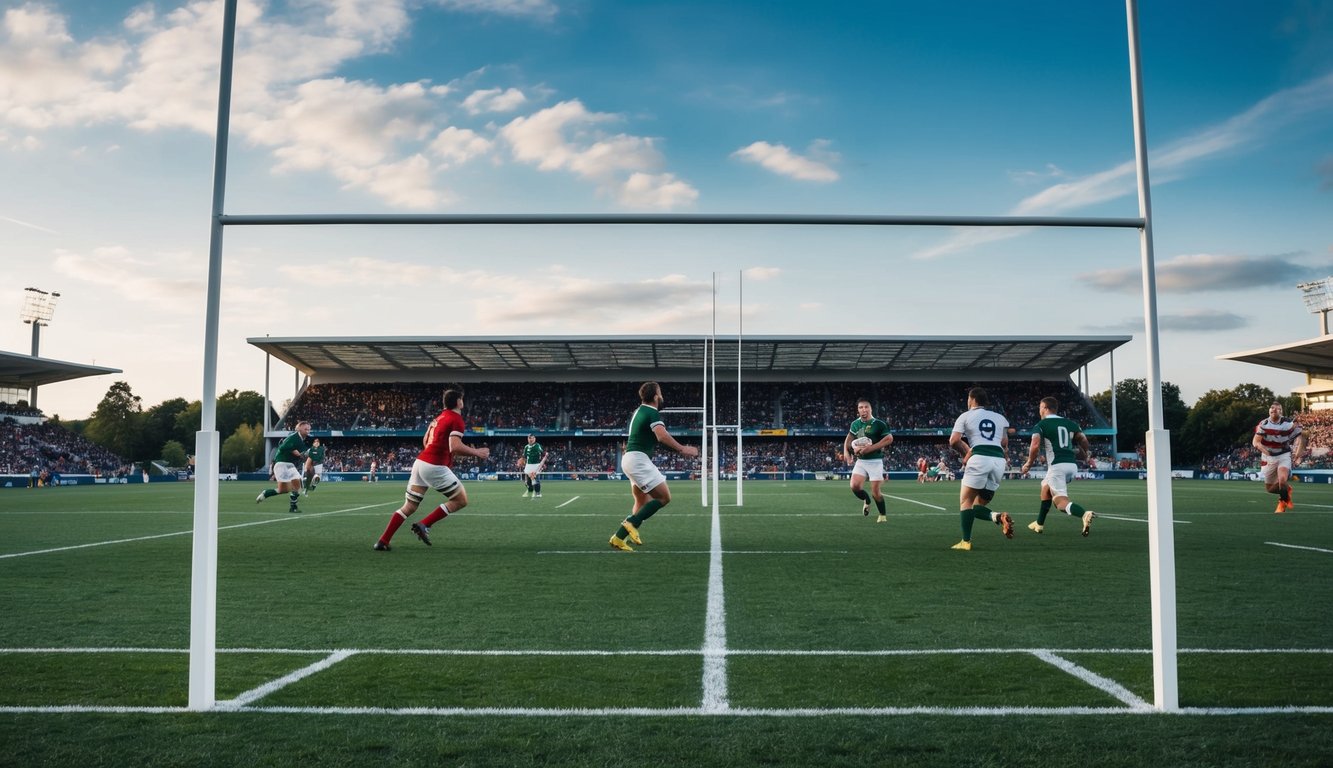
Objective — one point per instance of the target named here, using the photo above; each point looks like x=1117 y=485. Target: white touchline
x=1104 y=684
x=258 y=693
x=188 y=533
x=571 y=501
x=1295 y=546
x=715 y=629
x=699 y=552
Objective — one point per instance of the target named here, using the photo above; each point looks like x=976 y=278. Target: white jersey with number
x=983 y=428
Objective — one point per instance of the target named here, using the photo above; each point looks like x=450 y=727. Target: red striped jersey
x=1276 y=437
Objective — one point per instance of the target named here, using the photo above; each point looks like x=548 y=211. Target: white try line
x=1295 y=546
x=571 y=501
x=535 y=712
x=811 y=652
x=289 y=517
x=697 y=552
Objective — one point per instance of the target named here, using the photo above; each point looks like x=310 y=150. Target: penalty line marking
x=715 y=628
x=258 y=693
x=190 y=532
x=914 y=501
x=1295 y=546
x=1144 y=520
x=1104 y=684
x=571 y=501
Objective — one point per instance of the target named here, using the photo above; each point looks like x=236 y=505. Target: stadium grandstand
x=371 y=399
x=34 y=453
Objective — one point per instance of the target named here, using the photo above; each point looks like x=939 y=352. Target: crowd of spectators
x=53 y=450
x=550 y=406
x=18 y=409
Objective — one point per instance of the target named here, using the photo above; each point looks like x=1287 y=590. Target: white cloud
x=537 y=9
x=781 y=160
x=1192 y=273
x=566 y=136
x=455 y=146
x=1171 y=161
x=763 y=273
x=167 y=282
x=494 y=100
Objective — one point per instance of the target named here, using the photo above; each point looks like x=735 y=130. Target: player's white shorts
x=641 y=470
x=436 y=476
x=1271 y=465
x=317 y=471
x=532 y=469
x=984 y=472
x=873 y=469
x=1058 y=477
x=285 y=471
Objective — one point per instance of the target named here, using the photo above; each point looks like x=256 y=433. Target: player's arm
x=1084 y=447
x=457 y=446
x=847 y=447
x=1299 y=450
x=1258 y=441
x=664 y=437
x=1033 y=450
x=883 y=442
x=959 y=445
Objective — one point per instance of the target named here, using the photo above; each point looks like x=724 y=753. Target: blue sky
x=367 y=106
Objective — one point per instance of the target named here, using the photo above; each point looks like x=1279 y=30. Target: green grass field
x=521 y=638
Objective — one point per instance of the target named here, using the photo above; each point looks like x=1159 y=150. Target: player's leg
x=537 y=484
x=1038 y=525
x=859 y=475
x=875 y=494
x=447 y=483
x=412 y=498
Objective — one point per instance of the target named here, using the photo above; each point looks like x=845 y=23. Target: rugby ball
x=861 y=442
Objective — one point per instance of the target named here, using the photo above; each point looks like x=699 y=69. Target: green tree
x=1224 y=419
x=237 y=407
x=244 y=450
x=117 y=423
x=173 y=454
x=160 y=423
x=1131 y=406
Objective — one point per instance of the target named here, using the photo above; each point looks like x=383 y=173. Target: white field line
x=1294 y=546
x=1104 y=684
x=672 y=651
x=256 y=694
x=697 y=552
x=914 y=501
x=190 y=532
x=1144 y=520
x=684 y=711
x=571 y=501
x=715 y=628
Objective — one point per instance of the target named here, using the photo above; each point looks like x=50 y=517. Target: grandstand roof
x=394 y=357
x=1313 y=357
x=26 y=371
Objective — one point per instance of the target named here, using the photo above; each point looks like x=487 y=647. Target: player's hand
x=689 y=451
x=483 y=453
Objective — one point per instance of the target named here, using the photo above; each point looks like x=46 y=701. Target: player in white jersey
x=982 y=437
x=1273 y=438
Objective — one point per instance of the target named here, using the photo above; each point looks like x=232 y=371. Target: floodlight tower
x=38 y=308
x=1319 y=300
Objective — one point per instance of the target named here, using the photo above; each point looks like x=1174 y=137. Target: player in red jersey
x=434 y=469
x=921 y=467
x=1274 y=438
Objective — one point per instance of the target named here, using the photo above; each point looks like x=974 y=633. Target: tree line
x=1219 y=422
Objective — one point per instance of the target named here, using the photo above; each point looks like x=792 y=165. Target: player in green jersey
x=532 y=460
x=1061 y=441
x=647 y=483
x=863 y=448
x=286 y=459
x=314 y=466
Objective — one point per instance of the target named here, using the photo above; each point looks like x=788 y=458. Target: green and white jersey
x=875 y=429
x=532 y=453
x=984 y=430
x=316 y=454
x=1057 y=439
x=287 y=450
x=641 y=435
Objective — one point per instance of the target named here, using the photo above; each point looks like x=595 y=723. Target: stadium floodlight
x=38 y=308
x=1318 y=297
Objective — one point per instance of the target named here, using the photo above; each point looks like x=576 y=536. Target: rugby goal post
x=1161 y=542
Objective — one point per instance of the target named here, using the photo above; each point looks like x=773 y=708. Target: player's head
x=650 y=393
x=863 y=408
x=1275 y=411
x=316 y=442
x=303 y=428
x=532 y=439
x=1048 y=406
x=977 y=396
x=453 y=399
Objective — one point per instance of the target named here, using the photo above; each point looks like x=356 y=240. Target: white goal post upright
x=703 y=436
x=740 y=454
x=203 y=594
